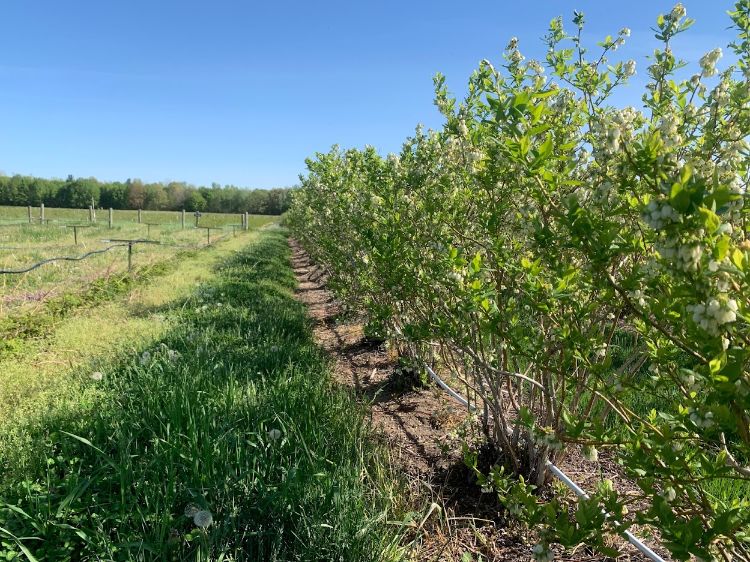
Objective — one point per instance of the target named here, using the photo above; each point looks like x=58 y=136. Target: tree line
x=136 y=194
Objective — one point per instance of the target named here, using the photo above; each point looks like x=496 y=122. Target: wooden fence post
x=110 y=217
x=30 y=219
x=41 y=213
x=139 y=216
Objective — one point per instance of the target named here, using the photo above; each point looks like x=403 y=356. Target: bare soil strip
x=420 y=428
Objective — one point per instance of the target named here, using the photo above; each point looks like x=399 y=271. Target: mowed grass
x=45 y=373
x=231 y=413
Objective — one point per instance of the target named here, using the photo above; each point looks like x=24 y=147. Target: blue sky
x=241 y=92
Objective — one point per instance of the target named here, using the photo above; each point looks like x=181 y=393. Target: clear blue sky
x=241 y=92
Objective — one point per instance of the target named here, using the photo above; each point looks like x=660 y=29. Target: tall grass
x=233 y=413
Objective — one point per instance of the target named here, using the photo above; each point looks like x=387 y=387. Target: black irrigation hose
x=84 y=256
x=64 y=258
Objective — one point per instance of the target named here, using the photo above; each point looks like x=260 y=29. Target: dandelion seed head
x=97 y=376
x=145 y=358
x=274 y=434
x=203 y=519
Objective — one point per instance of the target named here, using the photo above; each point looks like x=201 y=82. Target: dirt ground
x=422 y=426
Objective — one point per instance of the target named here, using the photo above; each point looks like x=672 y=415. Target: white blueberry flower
x=516 y=56
x=708 y=62
x=462 y=128
x=712 y=315
x=625 y=32
x=678 y=12
x=629 y=68
x=536 y=67
x=638 y=297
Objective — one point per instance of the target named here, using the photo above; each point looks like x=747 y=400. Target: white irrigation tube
x=632 y=539
x=448 y=389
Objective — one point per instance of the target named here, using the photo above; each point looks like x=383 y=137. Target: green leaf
x=722 y=247
x=717 y=363
x=544 y=152
x=476 y=263
x=679 y=198
x=738 y=258
x=710 y=219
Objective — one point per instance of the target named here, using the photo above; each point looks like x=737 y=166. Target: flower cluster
x=708 y=62
x=657 y=214
x=541 y=235
x=714 y=314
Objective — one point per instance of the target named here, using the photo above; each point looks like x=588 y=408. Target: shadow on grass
x=232 y=413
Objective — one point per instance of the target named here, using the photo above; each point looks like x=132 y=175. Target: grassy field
x=23 y=245
x=215 y=436
x=19 y=215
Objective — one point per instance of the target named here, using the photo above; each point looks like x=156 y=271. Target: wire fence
x=120 y=244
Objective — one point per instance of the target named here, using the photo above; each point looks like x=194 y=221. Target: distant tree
x=136 y=194
x=78 y=193
x=114 y=195
x=176 y=193
x=155 y=197
x=195 y=201
x=256 y=202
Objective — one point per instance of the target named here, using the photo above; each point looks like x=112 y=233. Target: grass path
x=51 y=373
x=231 y=413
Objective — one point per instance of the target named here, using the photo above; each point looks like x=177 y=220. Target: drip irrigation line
x=63 y=258
x=564 y=478
x=92 y=253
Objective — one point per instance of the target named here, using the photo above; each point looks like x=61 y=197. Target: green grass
x=163 y=435
x=24 y=245
x=15 y=215
x=641 y=403
x=41 y=354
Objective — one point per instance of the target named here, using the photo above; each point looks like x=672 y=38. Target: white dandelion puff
x=274 y=434
x=203 y=518
x=191 y=510
x=97 y=376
